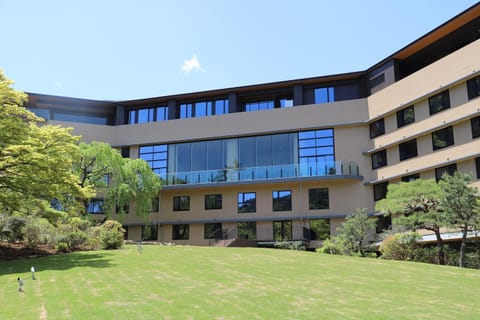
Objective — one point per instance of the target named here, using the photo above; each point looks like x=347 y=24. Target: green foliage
x=354 y=232
x=295 y=245
x=460 y=203
x=11 y=227
x=39 y=231
x=129 y=182
x=109 y=235
x=401 y=246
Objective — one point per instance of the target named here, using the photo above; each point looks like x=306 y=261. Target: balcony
x=329 y=169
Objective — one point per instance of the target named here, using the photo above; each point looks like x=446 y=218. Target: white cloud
x=192 y=65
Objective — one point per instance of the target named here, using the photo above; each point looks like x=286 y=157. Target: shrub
x=111 y=234
x=401 y=246
x=39 y=231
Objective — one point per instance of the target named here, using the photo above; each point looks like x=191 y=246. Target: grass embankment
x=230 y=283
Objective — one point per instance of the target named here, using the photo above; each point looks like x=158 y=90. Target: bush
x=110 y=234
x=11 y=228
x=39 y=231
x=401 y=246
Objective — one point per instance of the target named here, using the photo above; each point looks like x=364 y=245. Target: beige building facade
x=288 y=161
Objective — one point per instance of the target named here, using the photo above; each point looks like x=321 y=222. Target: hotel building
x=290 y=160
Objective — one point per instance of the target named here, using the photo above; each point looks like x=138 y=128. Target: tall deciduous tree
x=416 y=205
x=35 y=159
x=460 y=203
x=123 y=181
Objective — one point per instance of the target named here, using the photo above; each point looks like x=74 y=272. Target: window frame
x=383 y=162
x=450 y=169
x=181 y=203
x=405 y=149
x=380 y=191
x=180 y=232
x=244 y=203
x=401 y=116
x=319 y=193
x=435 y=106
x=281 y=203
x=377 y=128
x=475 y=125
x=442 y=135
x=217 y=201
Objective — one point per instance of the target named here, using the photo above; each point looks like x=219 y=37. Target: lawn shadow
x=58 y=262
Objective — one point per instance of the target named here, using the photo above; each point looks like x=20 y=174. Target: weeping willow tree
x=123 y=183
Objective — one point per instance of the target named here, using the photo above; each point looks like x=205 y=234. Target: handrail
x=326 y=168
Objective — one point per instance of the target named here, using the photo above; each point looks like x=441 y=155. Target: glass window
x=282 y=200
x=162 y=113
x=380 y=191
x=95 y=206
x=180 y=231
x=324 y=95
x=213 y=201
x=286 y=103
x=181 y=203
x=316 y=152
x=186 y=110
x=477 y=167
x=156 y=157
x=475 y=123
x=320 y=229
x=213 y=231
x=221 y=106
x=145 y=115
x=247 y=202
x=199 y=160
x=384 y=223
x=377 y=128
x=405 y=116
x=203 y=109
x=282 y=230
x=80 y=118
x=247 y=230
x=150 y=232
x=379 y=159
x=439 y=102
x=473 y=87
x=259 y=105
x=247 y=156
x=450 y=170
x=442 y=138
x=411 y=177
x=318 y=199
x=408 y=149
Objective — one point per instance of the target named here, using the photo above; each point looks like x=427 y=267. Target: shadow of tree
x=58 y=262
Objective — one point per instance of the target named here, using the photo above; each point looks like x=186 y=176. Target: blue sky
x=119 y=50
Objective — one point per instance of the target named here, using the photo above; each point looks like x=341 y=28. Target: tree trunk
x=441 y=252
x=461 y=260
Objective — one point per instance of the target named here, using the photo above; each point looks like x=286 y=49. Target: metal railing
x=327 y=168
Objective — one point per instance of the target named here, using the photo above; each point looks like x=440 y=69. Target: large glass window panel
x=203 y=109
x=318 y=198
x=213 y=201
x=405 y=116
x=282 y=230
x=263 y=150
x=216 y=157
x=183 y=158
x=377 y=128
x=221 y=107
x=213 y=231
x=199 y=159
x=442 y=138
x=449 y=169
x=475 y=123
x=323 y=95
x=439 y=102
x=156 y=157
x=380 y=191
x=473 y=88
x=186 y=111
x=282 y=200
x=247 y=202
x=247 y=230
x=379 y=159
x=283 y=149
x=162 y=113
x=246 y=148
x=408 y=149
x=181 y=203
x=132 y=116
x=180 y=232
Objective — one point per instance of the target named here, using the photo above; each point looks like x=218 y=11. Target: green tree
x=416 y=205
x=460 y=203
x=35 y=159
x=355 y=230
x=123 y=181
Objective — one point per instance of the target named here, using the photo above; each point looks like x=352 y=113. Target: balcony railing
x=323 y=169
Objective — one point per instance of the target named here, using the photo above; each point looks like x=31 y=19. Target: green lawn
x=233 y=283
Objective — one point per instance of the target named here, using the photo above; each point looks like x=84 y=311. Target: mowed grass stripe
x=180 y=282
